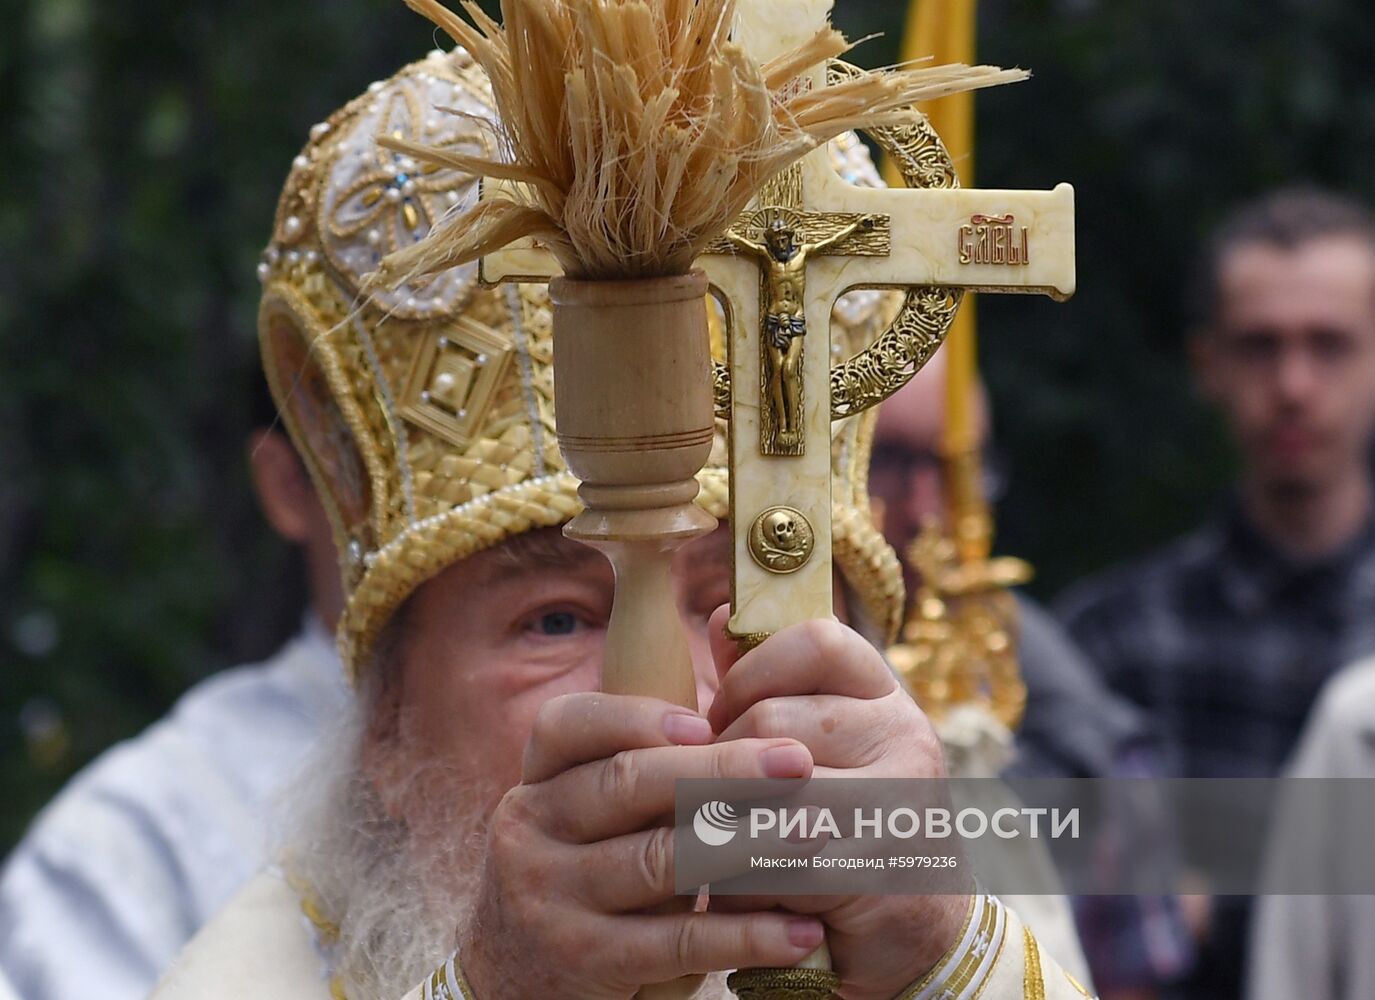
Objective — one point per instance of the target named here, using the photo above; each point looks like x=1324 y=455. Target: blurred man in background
x=1225 y=637
x=1074 y=727
x=151 y=839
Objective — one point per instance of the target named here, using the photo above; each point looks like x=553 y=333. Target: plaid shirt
x=1225 y=643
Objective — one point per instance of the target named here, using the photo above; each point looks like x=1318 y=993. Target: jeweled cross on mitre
x=810 y=237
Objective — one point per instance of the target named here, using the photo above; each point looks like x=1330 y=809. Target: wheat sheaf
x=630 y=134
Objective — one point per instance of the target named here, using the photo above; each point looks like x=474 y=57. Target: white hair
x=396 y=888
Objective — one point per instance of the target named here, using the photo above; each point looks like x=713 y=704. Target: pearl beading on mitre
x=344 y=149
x=427 y=524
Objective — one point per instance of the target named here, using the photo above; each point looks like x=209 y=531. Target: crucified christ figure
x=785 y=319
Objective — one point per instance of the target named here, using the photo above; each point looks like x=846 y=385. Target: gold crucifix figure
x=785 y=246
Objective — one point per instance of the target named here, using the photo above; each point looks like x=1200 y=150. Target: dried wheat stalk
x=635 y=131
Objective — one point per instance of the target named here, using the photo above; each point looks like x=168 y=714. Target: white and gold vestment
x=426 y=417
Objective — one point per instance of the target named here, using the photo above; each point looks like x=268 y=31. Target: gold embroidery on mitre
x=429 y=424
x=376 y=201
x=454 y=377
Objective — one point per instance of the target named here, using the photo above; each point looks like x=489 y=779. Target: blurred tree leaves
x=144 y=145
x=144 y=148
x=1164 y=116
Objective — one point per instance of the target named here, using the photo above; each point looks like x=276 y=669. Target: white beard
x=398 y=892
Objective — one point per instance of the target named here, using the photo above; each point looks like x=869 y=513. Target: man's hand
x=578 y=851
x=825 y=685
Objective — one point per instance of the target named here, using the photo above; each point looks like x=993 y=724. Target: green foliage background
x=142 y=145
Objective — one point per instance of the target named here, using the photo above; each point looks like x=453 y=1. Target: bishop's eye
x=557 y=623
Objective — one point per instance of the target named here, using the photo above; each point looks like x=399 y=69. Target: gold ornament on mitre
x=425 y=414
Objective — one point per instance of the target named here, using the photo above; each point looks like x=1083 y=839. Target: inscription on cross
x=843 y=237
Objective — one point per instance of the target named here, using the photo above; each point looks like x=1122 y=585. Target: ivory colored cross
x=989 y=241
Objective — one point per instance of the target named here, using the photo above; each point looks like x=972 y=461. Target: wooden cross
x=847 y=237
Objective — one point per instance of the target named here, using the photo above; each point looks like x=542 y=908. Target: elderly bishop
x=487 y=823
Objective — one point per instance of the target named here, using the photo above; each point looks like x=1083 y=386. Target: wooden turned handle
x=644 y=624
x=632 y=364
